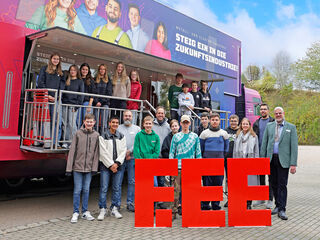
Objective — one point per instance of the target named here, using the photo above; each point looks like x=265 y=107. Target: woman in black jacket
x=103 y=87
x=51 y=77
x=74 y=83
x=165 y=149
x=90 y=88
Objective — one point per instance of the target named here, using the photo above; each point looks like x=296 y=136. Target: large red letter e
x=239 y=192
x=146 y=194
x=193 y=193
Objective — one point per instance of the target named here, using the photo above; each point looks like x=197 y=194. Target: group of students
x=182 y=101
x=114 y=152
x=81 y=81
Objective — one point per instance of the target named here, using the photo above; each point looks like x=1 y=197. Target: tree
x=281 y=68
x=307 y=69
x=267 y=82
x=252 y=73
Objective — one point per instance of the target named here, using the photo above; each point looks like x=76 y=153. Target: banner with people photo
x=142 y=25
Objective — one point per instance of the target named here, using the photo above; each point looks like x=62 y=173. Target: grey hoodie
x=84 y=152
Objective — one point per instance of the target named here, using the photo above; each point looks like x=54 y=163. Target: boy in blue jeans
x=83 y=160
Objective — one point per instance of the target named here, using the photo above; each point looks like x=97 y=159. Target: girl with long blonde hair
x=56 y=13
x=121 y=87
x=246 y=145
x=103 y=86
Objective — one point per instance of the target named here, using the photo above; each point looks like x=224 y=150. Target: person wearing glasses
x=258 y=127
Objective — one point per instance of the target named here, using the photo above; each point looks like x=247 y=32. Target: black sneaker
x=161 y=206
x=180 y=210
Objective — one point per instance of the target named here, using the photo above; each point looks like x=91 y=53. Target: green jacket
x=146 y=145
x=288 y=144
x=174 y=91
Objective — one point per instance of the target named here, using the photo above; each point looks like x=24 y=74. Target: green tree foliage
x=164 y=101
x=252 y=73
x=301 y=109
x=307 y=69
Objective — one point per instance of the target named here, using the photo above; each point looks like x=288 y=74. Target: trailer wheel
x=14 y=183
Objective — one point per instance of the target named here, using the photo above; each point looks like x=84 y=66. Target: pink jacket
x=155 y=48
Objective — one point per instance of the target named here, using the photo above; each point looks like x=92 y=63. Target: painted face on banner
x=113 y=11
x=134 y=17
x=160 y=34
x=64 y=3
x=91 y=4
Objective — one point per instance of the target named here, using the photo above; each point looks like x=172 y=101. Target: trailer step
x=43 y=150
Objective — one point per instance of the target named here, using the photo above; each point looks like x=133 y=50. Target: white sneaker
x=102 y=213
x=87 y=215
x=269 y=204
x=115 y=212
x=74 y=218
x=65 y=146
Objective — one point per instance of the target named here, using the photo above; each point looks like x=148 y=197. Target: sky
x=264 y=27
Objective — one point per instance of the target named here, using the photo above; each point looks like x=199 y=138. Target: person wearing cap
x=184 y=144
x=185 y=100
x=214 y=144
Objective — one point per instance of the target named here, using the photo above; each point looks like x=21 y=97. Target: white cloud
x=285 y=11
x=260 y=45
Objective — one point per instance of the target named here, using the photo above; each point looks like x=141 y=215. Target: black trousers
x=263 y=183
x=279 y=181
x=174 y=115
x=211 y=181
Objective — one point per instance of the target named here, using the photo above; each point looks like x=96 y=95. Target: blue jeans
x=69 y=123
x=81 y=184
x=128 y=165
x=105 y=175
x=103 y=114
x=53 y=122
x=82 y=113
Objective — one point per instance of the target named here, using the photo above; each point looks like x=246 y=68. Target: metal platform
x=43 y=150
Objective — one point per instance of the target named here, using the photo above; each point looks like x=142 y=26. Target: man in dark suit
x=280 y=144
